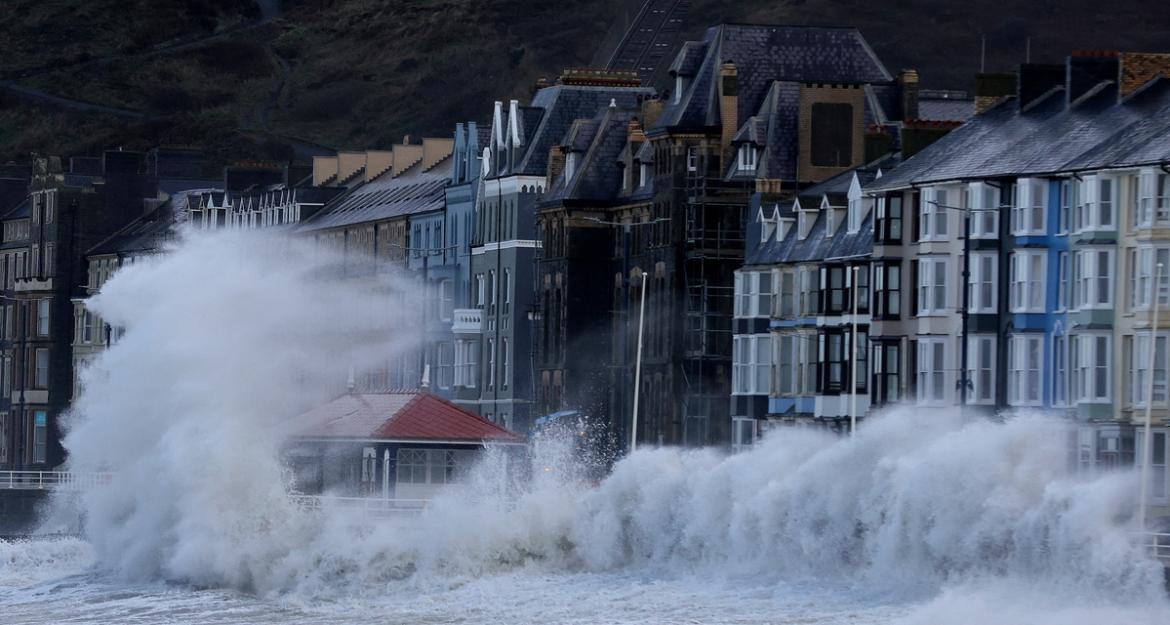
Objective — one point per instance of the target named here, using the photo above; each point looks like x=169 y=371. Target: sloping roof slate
x=386 y=198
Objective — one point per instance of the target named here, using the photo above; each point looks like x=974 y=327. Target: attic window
x=767 y=228
x=748 y=155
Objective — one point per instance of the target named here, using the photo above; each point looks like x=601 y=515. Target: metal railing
x=50 y=480
x=369 y=505
x=1158 y=543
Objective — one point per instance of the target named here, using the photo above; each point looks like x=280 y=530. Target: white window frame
x=751 y=364
x=982 y=284
x=1028 y=270
x=743 y=433
x=753 y=294
x=747 y=159
x=1143 y=268
x=981 y=369
x=1091 y=374
x=932 y=285
x=1139 y=368
x=1060 y=371
x=1159 y=483
x=1094 y=288
x=1153 y=197
x=1096 y=210
x=1029 y=205
x=983 y=203
x=1025 y=366
x=934 y=216
x=932 y=368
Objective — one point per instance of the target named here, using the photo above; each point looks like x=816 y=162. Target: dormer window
x=570 y=165
x=805 y=223
x=626 y=177
x=645 y=175
x=679 y=84
x=767 y=227
x=748 y=155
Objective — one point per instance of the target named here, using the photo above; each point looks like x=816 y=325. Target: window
x=787 y=295
x=1093 y=278
x=833 y=287
x=49 y=260
x=466 y=361
x=1062 y=286
x=856 y=212
x=1027 y=281
x=1159 y=492
x=43 y=317
x=1090 y=359
x=932 y=286
x=1096 y=201
x=834 y=356
x=743 y=433
x=887 y=367
x=751 y=364
x=810 y=297
x=6 y=383
x=753 y=294
x=411 y=466
x=1028 y=207
x=41 y=368
x=491 y=368
x=888 y=228
x=507 y=294
x=767 y=226
x=982 y=283
x=1139 y=369
x=1060 y=370
x=479 y=291
x=446 y=299
x=692 y=158
x=931 y=370
x=933 y=211
x=1153 y=197
x=1068 y=200
x=832 y=134
x=980 y=379
x=40 y=436
x=983 y=202
x=887 y=281
x=1024 y=356
x=747 y=158
x=446 y=364
x=3 y=438
x=1143 y=267
x=506 y=360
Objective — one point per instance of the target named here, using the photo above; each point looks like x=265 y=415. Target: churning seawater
x=925 y=519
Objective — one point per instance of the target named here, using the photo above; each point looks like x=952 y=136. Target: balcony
x=467 y=321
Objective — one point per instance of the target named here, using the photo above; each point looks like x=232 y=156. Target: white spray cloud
x=182 y=410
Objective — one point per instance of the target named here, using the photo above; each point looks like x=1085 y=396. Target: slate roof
x=816 y=245
x=598 y=176
x=1048 y=137
x=398 y=415
x=386 y=198
x=20 y=211
x=773 y=127
x=553 y=110
x=150 y=230
x=764 y=54
x=942 y=105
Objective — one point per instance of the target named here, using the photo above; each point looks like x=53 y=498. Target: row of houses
x=1012 y=265
x=725 y=243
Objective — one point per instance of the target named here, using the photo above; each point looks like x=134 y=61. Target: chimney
x=991 y=89
x=728 y=102
x=651 y=110
x=556 y=163
x=1036 y=80
x=635 y=132
x=1139 y=68
x=541 y=83
x=908 y=79
x=1087 y=69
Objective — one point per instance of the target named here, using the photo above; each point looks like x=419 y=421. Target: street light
x=1147 y=434
x=853 y=366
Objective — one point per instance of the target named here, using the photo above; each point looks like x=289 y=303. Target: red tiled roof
x=412 y=415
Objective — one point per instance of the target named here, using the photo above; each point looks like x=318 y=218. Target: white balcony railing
x=50 y=480
x=370 y=505
x=467 y=321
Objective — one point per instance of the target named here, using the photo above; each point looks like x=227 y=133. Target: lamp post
x=853 y=365
x=1147 y=434
x=638 y=366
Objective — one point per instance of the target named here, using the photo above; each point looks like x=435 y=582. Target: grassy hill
x=267 y=79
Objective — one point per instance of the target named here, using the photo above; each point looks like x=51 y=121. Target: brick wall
x=1138 y=68
x=811 y=94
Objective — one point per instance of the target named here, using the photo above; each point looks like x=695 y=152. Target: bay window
x=932 y=285
x=1060 y=370
x=810 y=295
x=1090 y=360
x=1143 y=267
x=1027 y=281
x=887 y=282
x=981 y=369
x=981 y=284
x=1068 y=200
x=1139 y=369
x=1159 y=451
x=983 y=202
x=787 y=296
x=931 y=370
x=1093 y=276
x=786 y=356
x=933 y=215
x=887 y=372
x=833 y=287
x=1062 y=284
x=1024 y=356
x=753 y=294
x=888 y=225
x=751 y=364
x=1153 y=197
x=1028 y=205
x=1096 y=203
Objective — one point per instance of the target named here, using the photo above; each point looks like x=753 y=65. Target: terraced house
x=1051 y=207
